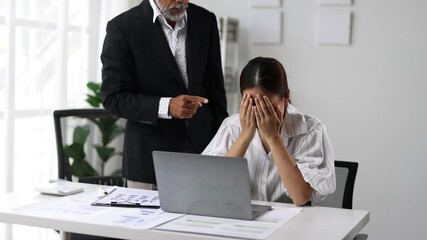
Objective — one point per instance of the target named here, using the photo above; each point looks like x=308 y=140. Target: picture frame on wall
x=335 y=2
x=265 y=3
x=334 y=27
x=266 y=26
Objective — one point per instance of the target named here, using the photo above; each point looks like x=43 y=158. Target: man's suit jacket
x=139 y=68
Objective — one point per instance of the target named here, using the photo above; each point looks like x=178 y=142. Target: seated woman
x=289 y=154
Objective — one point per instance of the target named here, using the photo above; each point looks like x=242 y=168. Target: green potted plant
x=109 y=129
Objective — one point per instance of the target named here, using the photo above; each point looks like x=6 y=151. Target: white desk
x=311 y=223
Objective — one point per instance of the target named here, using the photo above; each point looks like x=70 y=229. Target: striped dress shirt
x=307 y=141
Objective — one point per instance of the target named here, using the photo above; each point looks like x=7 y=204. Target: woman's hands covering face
x=260 y=113
x=247 y=117
x=269 y=118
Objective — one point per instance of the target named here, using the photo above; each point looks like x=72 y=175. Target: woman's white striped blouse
x=308 y=143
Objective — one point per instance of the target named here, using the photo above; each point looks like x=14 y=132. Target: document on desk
x=259 y=228
x=78 y=208
x=128 y=197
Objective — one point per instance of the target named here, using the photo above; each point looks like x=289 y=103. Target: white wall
x=371 y=95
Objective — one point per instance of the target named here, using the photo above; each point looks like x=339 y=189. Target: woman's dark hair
x=265 y=73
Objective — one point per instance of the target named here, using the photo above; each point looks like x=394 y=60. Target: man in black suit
x=162 y=72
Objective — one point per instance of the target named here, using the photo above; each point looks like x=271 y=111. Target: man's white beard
x=166 y=11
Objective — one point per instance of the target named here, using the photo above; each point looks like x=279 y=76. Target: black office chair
x=345 y=173
x=65 y=122
x=71 y=118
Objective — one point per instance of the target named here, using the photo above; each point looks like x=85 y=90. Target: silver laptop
x=205 y=185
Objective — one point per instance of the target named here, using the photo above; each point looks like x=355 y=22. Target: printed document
x=78 y=208
x=259 y=228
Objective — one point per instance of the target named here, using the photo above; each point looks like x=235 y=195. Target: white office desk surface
x=311 y=223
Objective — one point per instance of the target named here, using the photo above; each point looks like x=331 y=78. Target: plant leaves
x=93 y=100
x=105 y=152
x=108 y=128
x=81 y=168
x=112 y=133
x=75 y=151
x=95 y=87
x=80 y=134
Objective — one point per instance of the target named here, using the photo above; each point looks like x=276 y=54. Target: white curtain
x=49 y=50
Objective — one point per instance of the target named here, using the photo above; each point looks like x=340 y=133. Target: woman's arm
x=269 y=122
x=247 y=121
x=289 y=172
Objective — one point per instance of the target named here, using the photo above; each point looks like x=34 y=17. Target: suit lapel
x=157 y=40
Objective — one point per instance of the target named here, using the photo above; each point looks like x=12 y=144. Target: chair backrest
x=345 y=173
x=66 y=122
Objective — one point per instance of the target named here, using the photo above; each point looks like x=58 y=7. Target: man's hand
x=185 y=106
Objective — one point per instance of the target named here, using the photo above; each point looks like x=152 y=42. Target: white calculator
x=60 y=189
